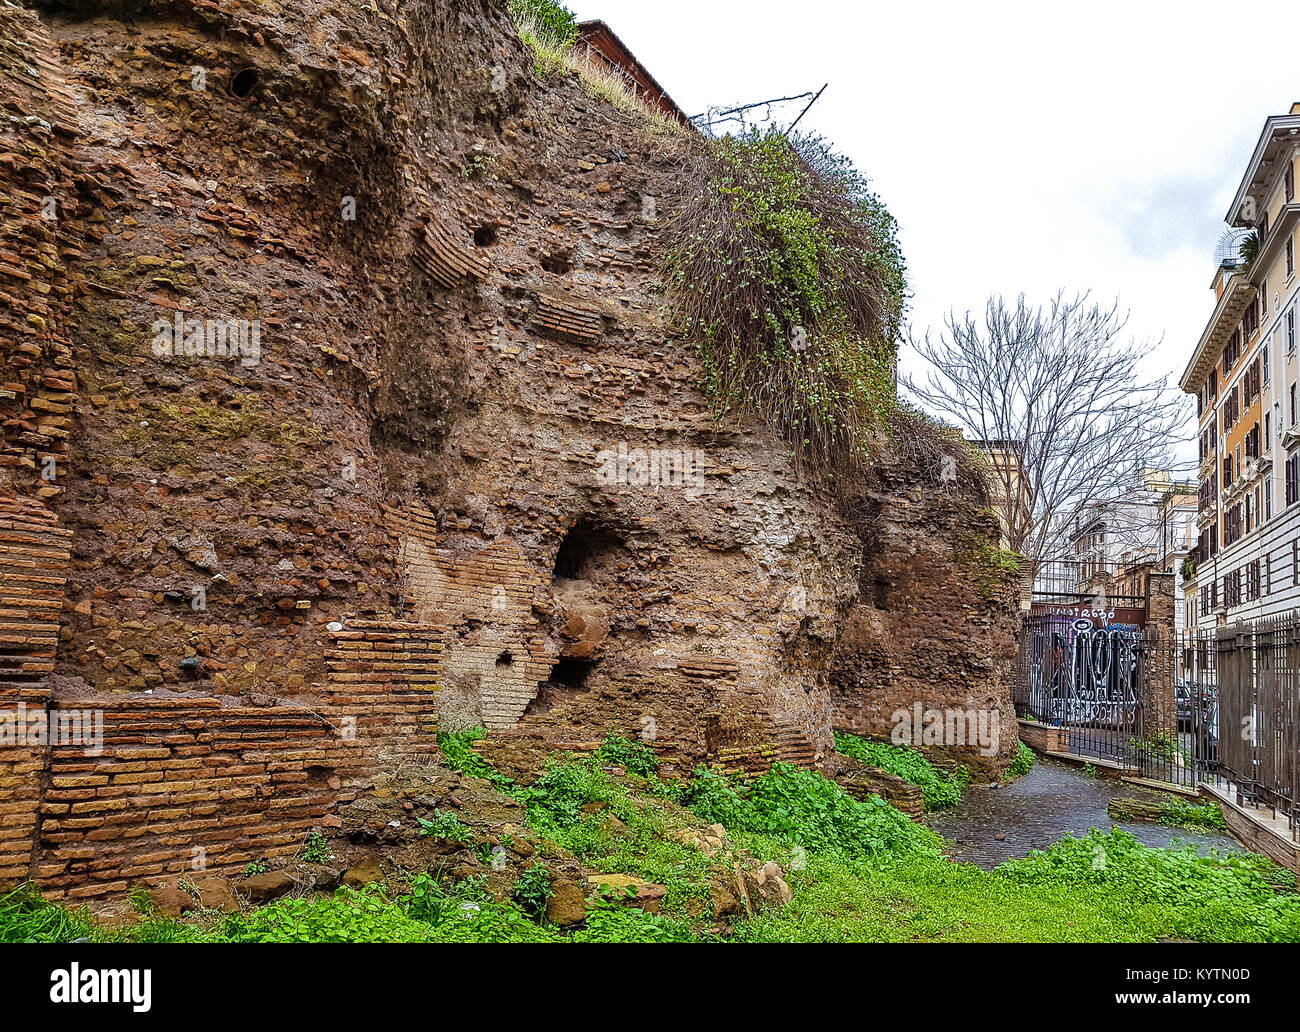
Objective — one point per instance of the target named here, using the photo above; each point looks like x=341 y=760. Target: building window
x=1231 y=408
x=1232 y=589
x=1263 y=366
x=1289 y=181
x=1232 y=525
x=1231 y=351
x=1268 y=498
x=1250 y=383
x=1292 y=477
x=1253 y=581
x=1290 y=256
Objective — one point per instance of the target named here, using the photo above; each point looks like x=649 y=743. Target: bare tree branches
x=1061 y=399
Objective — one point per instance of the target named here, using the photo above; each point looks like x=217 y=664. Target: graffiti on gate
x=1082 y=673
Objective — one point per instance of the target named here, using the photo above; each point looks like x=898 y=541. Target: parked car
x=1183 y=700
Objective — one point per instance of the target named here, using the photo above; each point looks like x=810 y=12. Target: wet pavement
x=1054 y=799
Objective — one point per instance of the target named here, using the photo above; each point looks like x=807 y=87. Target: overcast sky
x=1022 y=147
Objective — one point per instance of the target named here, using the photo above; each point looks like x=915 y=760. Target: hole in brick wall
x=880 y=593
x=568 y=677
x=558 y=262
x=244 y=82
x=572 y=673
x=504 y=660
x=318 y=775
x=485 y=235
x=586 y=548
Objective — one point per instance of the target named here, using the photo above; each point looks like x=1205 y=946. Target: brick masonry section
x=933 y=624
x=33 y=568
x=181 y=787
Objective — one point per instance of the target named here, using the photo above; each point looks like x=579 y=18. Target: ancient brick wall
x=33 y=564
x=37 y=126
x=39 y=236
x=458 y=469
x=933 y=628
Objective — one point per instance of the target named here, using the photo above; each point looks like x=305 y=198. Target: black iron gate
x=1125 y=698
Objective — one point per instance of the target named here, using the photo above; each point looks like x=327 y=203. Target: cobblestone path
x=1050 y=801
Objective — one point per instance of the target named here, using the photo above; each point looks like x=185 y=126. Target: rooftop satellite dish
x=1228 y=250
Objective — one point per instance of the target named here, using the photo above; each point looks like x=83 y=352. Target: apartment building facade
x=1008 y=488
x=1243 y=373
x=1118 y=542
x=1146 y=525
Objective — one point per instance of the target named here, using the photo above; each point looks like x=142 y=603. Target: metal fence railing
x=1259 y=739
x=1220 y=706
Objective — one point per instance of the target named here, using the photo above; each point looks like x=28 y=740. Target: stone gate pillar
x=1160 y=603
x=1159 y=707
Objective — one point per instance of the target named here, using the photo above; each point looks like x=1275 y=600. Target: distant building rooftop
x=605 y=48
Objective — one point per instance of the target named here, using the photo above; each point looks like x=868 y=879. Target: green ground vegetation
x=859 y=871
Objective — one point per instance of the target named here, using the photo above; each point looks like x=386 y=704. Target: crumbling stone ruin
x=341 y=399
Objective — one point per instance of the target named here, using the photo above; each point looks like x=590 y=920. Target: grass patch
x=1023 y=763
x=444 y=824
x=1182 y=813
x=549 y=30
x=458 y=753
x=939 y=788
x=613 y=829
x=637 y=757
x=1105 y=887
x=803 y=808
x=26 y=916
